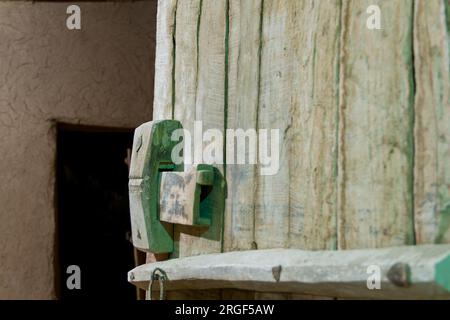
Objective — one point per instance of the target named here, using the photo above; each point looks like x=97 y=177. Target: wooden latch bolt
x=163 y=194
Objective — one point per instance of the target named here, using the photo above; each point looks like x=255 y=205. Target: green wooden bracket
x=151 y=155
x=192 y=197
x=162 y=194
x=211 y=194
x=442 y=273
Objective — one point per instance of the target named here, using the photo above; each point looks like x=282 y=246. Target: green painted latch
x=163 y=194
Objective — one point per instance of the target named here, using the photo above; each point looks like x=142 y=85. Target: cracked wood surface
x=432 y=119
x=243 y=101
x=335 y=273
x=363 y=117
x=376 y=127
x=199 y=91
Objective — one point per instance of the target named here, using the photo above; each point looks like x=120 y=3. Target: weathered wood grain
x=272 y=198
x=186 y=62
x=186 y=79
x=209 y=103
x=243 y=93
x=376 y=127
x=298 y=95
x=164 y=61
x=376 y=152
x=364 y=118
x=312 y=128
x=185 y=75
x=432 y=120
x=410 y=272
x=299 y=73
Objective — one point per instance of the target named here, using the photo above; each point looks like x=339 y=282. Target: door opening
x=93 y=221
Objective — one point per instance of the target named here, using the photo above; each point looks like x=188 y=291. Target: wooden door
x=363 y=116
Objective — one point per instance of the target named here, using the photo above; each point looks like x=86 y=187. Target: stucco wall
x=101 y=75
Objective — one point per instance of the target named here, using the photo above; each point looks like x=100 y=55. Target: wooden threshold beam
x=413 y=272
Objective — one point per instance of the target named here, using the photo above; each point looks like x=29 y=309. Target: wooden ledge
x=414 y=272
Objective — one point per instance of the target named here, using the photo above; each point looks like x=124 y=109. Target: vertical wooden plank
x=376 y=127
x=210 y=104
x=186 y=80
x=209 y=60
x=313 y=132
x=272 y=199
x=186 y=62
x=299 y=66
x=191 y=53
x=164 y=61
x=243 y=91
x=432 y=131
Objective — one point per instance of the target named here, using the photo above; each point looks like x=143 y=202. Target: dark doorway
x=93 y=211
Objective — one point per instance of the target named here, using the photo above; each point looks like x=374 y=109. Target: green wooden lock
x=191 y=197
x=162 y=194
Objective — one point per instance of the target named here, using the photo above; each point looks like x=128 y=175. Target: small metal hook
x=161 y=277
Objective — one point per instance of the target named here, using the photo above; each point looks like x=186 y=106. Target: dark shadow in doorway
x=93 y=221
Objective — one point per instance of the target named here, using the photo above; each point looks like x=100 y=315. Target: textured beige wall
x=101 y=75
